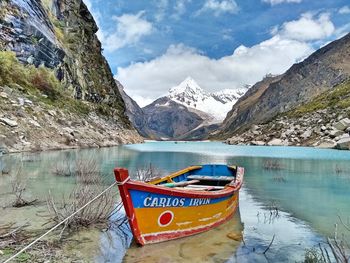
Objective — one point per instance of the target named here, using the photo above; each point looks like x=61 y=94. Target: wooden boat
x=184 y=203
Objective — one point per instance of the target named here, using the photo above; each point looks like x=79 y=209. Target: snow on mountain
x=229 y=95
x=191 y=95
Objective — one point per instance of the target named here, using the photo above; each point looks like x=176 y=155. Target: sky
x=153 y=45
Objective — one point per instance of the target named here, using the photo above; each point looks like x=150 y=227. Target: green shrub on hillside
x=11 y=71
x=37 y=81
x=27 y=76
x=337 y=98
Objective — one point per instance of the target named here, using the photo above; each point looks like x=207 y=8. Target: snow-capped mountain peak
x=191 y=95
x=188 y=86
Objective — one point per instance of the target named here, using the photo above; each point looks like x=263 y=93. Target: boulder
x=3 y=149
x=289 y=132
x=327 y=144
x=255 y=127
x=9 y=122
x=334 y=133
x=256 y=132
x=275 y=142
x=343 y=136
x=3 y=95
x=34 y=123
x=342 y=124
x=52 y=113
x=343 y=144
x=306 y=134
x=258 y=143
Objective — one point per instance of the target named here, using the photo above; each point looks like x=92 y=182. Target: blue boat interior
x=209 y=177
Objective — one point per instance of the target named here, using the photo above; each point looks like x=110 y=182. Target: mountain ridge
x=184 y=113
x=321 y=71
x=216 y=104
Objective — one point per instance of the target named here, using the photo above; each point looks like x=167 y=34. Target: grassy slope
x=41 y=84
x=335 y=99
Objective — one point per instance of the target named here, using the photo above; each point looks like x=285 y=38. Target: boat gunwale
x=159 y=189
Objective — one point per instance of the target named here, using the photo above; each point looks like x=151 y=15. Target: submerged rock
x=3 y=149
x=235 y=236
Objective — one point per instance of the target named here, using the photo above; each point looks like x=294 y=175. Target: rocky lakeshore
x=29 y=123
x=323 y=128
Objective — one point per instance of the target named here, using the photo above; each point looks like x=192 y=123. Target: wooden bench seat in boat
x=205 y=186
x=210 y=178
x=179 y=184
x=200 y=187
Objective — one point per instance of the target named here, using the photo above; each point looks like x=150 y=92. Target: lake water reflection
x=295 y=194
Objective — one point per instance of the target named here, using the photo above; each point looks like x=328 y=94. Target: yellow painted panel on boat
x=184 y=217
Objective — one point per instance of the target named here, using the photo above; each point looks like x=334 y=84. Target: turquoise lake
x=308 y=187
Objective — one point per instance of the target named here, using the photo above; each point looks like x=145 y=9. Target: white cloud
x=308 y=28
x=276 y=2
x=291 y=42
x=161 y=7
x=245 y=66
x=180 y=8
x=344 y=10
x=219 y=7
x=142 y=101
x=342 y=31
x=130 y=28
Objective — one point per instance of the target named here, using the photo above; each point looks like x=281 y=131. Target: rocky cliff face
x=60 y=35
x=320 y=72
x=135 y=114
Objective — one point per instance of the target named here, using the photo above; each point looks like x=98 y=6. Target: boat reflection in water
x=216 y=245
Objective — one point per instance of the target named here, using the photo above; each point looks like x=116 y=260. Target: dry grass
x=13 y=237
x=272 y=164
x=63 y=168
x=148 y=173
x=337 y=249
x=18 y=185
x=86 y=171
x=89 y=185
x=339 y=245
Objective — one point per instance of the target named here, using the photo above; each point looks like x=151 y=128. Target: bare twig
x=18 y=189
x=89 y=184
x=147 y=173
x=345 y=225
x=14 y=231
x=273 y=238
